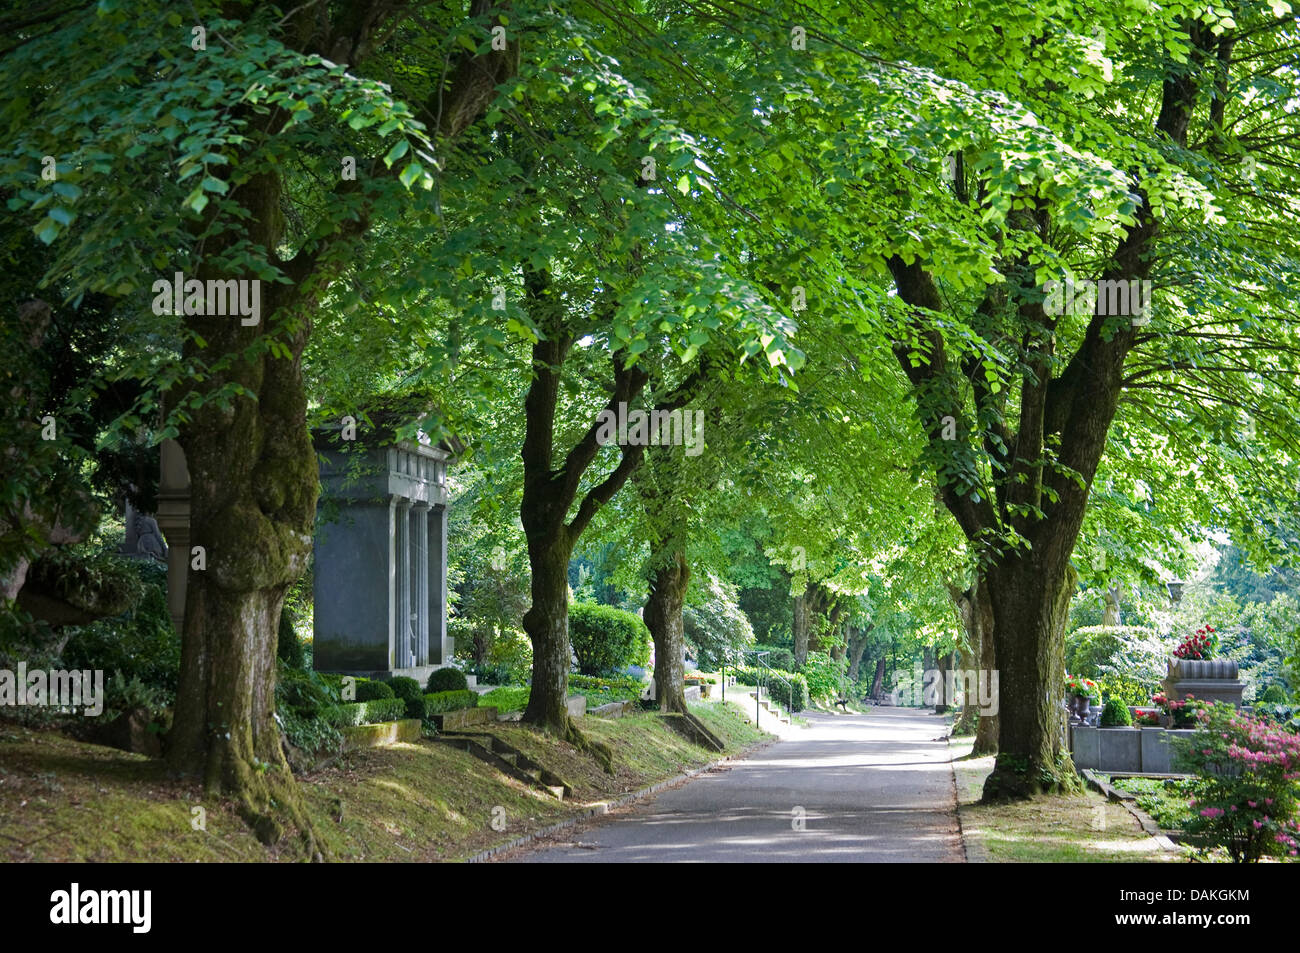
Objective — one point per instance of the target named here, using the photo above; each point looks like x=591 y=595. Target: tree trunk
x=808 y=607
x=548 y=493
x=800 y=627
x=253 y=487
x=1030 y=601
x=944 y=700
x=878 y=683
x=976 y=613
x=857 y=645
x=547 y=624
x=663 y=616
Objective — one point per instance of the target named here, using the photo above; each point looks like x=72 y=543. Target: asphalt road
x=849 y=788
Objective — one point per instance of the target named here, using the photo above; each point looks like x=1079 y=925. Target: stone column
x=174 y=520
x=402 y=657
x=440 y=651
x=420 y=512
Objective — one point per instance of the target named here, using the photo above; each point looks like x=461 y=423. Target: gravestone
x=380 y=579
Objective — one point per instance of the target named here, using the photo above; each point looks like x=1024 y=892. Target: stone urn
x=1079 y=707
x=1211 y=680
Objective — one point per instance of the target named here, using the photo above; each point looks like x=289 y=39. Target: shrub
x=1126 y=688
x=372 y=712
x=778 y=658
x=1275 y=694
x=1245 y=793
x=436 y=703
x=823 y=674
x=715 y=624
x=447 y=680
x=503 y=699
x=795 y=699
x=369 y=690
x=408 y=689
x=306 y=693
x=288 y=648
x=1115 y=714
x=141 y=643
x=606 y=639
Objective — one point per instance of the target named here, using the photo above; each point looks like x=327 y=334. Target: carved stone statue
x=148 y=538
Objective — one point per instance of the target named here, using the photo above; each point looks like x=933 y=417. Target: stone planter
x=1128 y=751
x=1214 y=680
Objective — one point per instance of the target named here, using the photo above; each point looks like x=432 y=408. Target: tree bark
x=944 y=667
x=976 y=613
x=253 y=468
x=878 y=683
x=548 y=494
x=663 y=616
x=808 y=607
x=857 y=645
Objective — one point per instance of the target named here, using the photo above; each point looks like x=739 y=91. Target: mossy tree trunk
x=252 y=467
x=550 y=490
x=1066 y=418
x=663 y=616
x=976 y=612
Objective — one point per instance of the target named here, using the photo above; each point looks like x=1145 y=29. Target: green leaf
x=399 y=149
x=412 y=172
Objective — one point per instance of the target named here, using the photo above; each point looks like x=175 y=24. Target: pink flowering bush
x=1247 y=786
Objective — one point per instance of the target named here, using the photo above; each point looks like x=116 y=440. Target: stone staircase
x=774 y=711
x=691 y=728
x=510 y=761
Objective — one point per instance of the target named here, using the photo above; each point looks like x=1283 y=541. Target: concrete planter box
x=1125 y=750
x=1209 y=681
x=383 y=733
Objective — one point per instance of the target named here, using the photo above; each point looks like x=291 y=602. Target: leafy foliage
x=1245 y=794
x=606 y=639
x=447 y=679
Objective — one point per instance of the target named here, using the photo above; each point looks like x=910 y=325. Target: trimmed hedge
x=436 y=703
x=372 y=712
x=1116 y=714
x=368 y=690
x=408 y=689
x=779 y=691
x=778 y=657
x=605 y=638
x=612 y=684
x=446 y=680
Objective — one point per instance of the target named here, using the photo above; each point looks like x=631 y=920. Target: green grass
x=1165 y=800
x=67 y=801
x=506 y=699
x=1049 y=829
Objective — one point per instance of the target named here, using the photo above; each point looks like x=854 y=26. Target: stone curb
x=1129 y=802
x=972 y=848
x=604 y=807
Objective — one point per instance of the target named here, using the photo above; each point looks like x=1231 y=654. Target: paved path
x=873 y=787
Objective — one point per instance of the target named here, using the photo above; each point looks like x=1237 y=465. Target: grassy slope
x=63 y=800
x=1053 y=829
